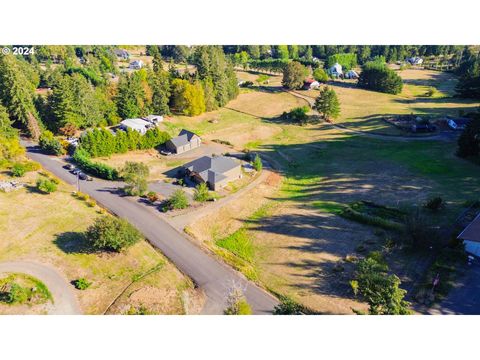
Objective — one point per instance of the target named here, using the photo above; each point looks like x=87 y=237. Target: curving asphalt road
x=209 y=273
x=65 y=302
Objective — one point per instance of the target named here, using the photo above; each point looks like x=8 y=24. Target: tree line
x=79 y=91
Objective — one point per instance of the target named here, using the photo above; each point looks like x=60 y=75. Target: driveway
x=65 y=302
x=464 y=298
x=208 y=272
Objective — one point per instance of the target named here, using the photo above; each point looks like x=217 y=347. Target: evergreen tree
x=131 y=96
x=17 y=91
x=327 y=103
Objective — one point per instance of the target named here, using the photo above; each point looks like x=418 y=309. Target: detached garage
x=471 y=237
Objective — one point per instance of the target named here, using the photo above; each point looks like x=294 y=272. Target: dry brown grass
x=48 y=229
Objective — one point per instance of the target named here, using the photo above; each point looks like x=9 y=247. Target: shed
x=139 y=125
x=185 y=141
x=471 y=237
x=309 y=84
x=153 y=119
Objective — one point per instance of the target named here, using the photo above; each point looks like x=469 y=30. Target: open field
x=299 y=242
x=364 y=110
x=48 y=229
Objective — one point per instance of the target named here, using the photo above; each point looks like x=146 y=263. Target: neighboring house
x=153 y=119
x=139 y=125
x=336 y=70
x=310 y=84
x=471 y=237
x=122 y=54
x=216 y=171
x=457 y=123
x=186 y=140
x=415 y=60
x=136 y=64
x=351 y=74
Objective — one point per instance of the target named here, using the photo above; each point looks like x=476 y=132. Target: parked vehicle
x=69 y=167
x=83 y=176
x=76 y=171
x=423 y=127
x=166 y=152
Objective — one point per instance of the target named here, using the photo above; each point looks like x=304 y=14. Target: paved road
x=464 y=298
x=209 y=273
x=65 y=302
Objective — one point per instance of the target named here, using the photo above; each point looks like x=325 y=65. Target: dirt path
x=65 y=302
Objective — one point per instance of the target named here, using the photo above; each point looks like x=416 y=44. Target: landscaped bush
x=112 y=234
x=46 y=185
x=81 y=284
x=152 y=196
x=177 y=201
x=257 y=163
x=82 y=158
x=202 y=193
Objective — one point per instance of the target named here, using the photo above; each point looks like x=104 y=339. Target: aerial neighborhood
x=240 y=179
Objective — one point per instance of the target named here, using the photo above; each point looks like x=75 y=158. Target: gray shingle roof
x=183 y=138
x=472 y=231
x=210 y=168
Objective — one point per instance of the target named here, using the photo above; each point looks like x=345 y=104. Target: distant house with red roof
x=310 y=84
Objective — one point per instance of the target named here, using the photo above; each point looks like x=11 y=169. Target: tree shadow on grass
x=73 y=243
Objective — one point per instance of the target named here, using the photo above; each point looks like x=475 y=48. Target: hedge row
x=82 y=158
x=101 y=142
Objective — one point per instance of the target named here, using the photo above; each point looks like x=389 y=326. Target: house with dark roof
x=471 y=237
x=122 y=54
x=186 y=140
x=216 y=171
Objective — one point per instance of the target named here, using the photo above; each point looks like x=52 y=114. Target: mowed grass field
x=363 y=110
x=297 y=245
x=49 y=229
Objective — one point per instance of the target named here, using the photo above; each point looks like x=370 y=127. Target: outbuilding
x=139 y=125
x=351 y=74
x=471 y=237
x=336 y=70
x=185 y=141
x=310 y=84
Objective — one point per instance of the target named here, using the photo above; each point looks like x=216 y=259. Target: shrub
x=18 y=170
x=46 y=186
x=177 y=201
x=435 y=204
x=152 y=196
x=17 y=294
x=202 y=193
x=82 y=196
x=49 y=144
x=112 y=234
x=287 y=306
x=257 y=163
x=81 y=284
x=91 y=203
x=298 y=114
x=82 y=158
